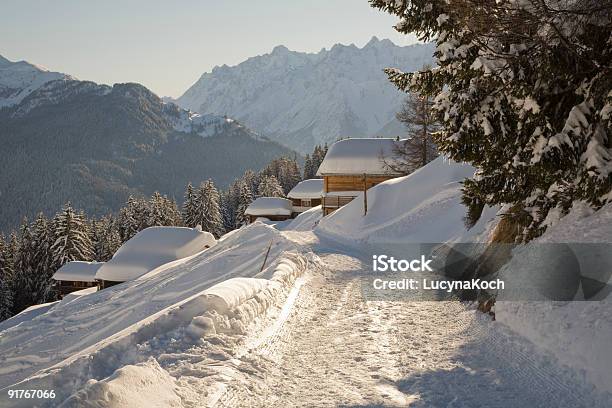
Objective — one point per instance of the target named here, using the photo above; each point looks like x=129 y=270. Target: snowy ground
x=213 y=330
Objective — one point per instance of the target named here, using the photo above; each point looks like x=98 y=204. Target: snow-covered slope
x=303 y=99
x=423 y=207
x=578 y=333
x=92 y=334
x=20 y=79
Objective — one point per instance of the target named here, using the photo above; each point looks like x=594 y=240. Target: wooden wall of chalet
x=252 y=218
x=352 y=182
x=339 y=183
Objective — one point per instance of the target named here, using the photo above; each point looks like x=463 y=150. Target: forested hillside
x=95 y=145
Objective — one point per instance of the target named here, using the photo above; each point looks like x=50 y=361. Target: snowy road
x=334 y=349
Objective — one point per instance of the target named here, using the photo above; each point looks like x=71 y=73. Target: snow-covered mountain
x=302 y=99
x=93 y=144
x=20 y=79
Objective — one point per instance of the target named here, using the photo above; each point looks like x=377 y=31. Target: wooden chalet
x=305 y=195
x=352 y=166
x=76 y=275
x=271 y=208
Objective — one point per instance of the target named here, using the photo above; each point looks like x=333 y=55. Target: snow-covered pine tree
x=419 y=148
x=251 y=179
x=270 y=187
x=208 y=211
x=229 y=205
x=189 y=207
x=43 y=260
x=24 y=277
x=105 y=238
x=309 y=171
x=244 y=199
x=6 y=281
x=71 y=235
x=522 y=90
x=132 y=217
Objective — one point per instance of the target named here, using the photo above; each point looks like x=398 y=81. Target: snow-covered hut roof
x=78 y=271
x=151 y=248
x=312 y=188
x=270 y=206
x=359 y=156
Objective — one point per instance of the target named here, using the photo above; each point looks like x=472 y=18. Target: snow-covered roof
x=312 y=188
x=151 y=248
x=359 y=156
x=78 y=271
x=270 y=206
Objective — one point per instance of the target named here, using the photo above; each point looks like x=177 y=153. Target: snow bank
x=270 y=206
x=578 y=333
x=151 y=248
x=78 y=271
x=144 y=385
x=92 y=336
x=423 y=207
x=311 y=188
x=358 y=156
x=306 y=221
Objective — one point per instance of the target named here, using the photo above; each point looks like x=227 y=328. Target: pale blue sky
x=167 y=45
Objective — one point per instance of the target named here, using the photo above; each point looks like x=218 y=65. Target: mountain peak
x=373 y=41
x=4 y=61
x=280 y=49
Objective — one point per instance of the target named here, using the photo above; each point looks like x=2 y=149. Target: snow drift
x=577 y=333
x=151 y=248
x=423 y=207
x=217 y=291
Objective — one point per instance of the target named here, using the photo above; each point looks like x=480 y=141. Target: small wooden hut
x=305 y=195
x=272 y=208
x=76 y=275
x=352 y=166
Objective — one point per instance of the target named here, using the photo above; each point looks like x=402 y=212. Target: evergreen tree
x=105 y=238
x=522 y=90
x=24 y=278
x=71 y=235
x=162 y=212
x=229 y=206
x=244 y=200
x=309 y=171
x=208 y=211
x=43 y=260
x=270 y=187
x=6 y=281
x=189 y=207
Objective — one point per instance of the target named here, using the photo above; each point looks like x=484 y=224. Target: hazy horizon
x=168 y=46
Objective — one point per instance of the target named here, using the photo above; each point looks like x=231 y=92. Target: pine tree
x=522 y=91
x=244 y=200
x=72 y=242
x=24 y=278
x=270 y=187
x=308 y=168
x=43 y=260
x=6 y=281
x=105 y=238
x=189 y=207
x=229 y=206
x=207 y=211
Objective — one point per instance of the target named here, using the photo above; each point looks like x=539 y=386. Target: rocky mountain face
x=302 y=99
x=69 y=140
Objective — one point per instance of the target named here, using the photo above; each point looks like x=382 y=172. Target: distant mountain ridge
x=302 y=99
x=68 y=140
